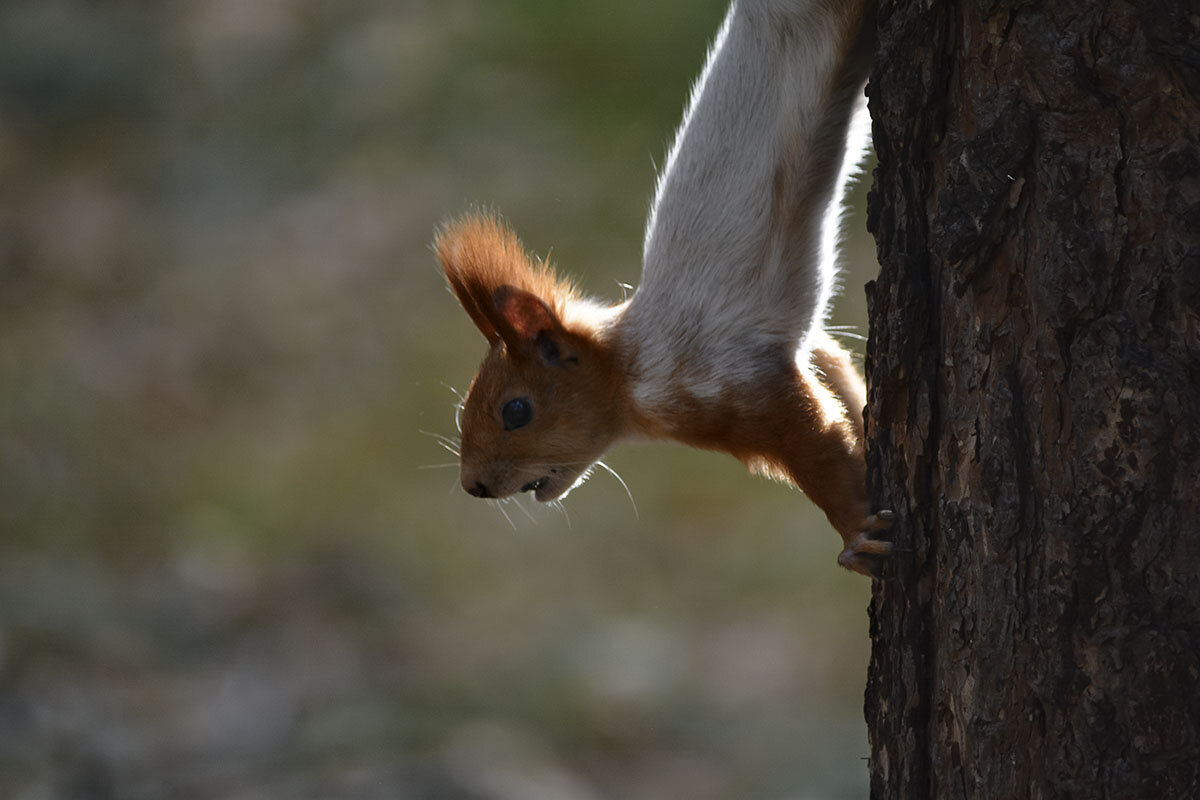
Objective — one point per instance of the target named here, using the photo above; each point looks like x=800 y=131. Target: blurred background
x=235 y=561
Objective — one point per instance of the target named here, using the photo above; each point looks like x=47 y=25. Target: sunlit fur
x=721 y=347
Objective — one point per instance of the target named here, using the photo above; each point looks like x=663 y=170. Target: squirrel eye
x=516 y=413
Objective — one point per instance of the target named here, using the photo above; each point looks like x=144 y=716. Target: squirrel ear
x=530 y=327
x=484 y=265
x=525 y=316
x=475 y=253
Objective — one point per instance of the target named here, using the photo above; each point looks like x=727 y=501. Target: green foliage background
x=233 y=560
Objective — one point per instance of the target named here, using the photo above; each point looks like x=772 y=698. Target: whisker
x=498 y=504
x=462 y=398
x=438 y=466
x=445 y=442
x=561 y=507
x=624 y=485
x=440 y=437
x=524 y=510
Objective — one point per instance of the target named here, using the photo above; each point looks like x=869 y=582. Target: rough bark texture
x=1034 y=366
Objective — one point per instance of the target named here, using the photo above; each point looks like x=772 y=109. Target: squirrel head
x=546 y=402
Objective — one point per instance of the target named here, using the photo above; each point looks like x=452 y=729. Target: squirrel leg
x=835 y=369
x=832 y=394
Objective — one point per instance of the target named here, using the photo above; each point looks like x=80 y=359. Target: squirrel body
x=722 y=345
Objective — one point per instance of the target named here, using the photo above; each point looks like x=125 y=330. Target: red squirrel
x=722 y=345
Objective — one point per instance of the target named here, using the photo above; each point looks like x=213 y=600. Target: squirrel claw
x=879 y=521
x=862 y=553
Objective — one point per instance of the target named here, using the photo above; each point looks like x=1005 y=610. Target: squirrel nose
x=478 y=490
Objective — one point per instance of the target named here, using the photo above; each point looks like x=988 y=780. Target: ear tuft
x=506 y=294
x=477 y=254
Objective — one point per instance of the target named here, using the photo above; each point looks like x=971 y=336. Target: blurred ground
x=233 y=564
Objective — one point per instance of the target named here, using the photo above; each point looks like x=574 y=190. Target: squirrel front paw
x=863 y=552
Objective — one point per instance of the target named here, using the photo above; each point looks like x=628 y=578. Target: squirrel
x=722 y=345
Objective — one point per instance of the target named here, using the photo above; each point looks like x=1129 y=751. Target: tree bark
x=1034 y=402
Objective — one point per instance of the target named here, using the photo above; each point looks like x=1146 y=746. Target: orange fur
x=479 y=254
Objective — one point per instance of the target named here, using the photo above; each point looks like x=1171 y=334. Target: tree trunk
x=1034 y=371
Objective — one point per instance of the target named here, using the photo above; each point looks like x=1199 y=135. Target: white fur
x=723 y=287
